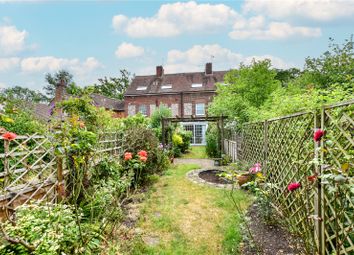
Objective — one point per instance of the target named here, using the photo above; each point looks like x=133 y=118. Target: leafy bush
x=49 y=230
x=143 y=138
x=186 y=138
x=212 y=142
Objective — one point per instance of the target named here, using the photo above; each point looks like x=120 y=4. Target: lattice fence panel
x=28 y=171
x=338 y=121
x=29 y=168
x=252 y=142
x=289 y=154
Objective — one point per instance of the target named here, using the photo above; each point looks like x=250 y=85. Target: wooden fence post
x=319 y=231
x=6 y=163
x=60 y=179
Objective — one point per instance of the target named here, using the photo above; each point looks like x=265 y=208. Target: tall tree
x=335 y=66
x=24 y=94
x=113 y=87
x=54 y=79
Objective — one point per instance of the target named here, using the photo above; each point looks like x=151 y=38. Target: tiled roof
x=108 y=103
x=181 y=82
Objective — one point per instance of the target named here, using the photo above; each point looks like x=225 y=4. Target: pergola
x=166 y=136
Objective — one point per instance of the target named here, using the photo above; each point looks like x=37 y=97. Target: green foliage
x=143 y=138
x=161 y=112
x=244 y=89
x=18 y=93
x=131 y=122
x=20 y=121
x=212 y=141
x=50 y=230
x=113 y=87
x=335 y=66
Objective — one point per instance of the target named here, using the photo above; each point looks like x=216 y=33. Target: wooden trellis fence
x=286 y=149
x=30 y=170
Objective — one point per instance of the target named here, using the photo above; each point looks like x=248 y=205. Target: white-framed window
x=197 y=85
x=143 y=109
x=200 y=109
x=141 y=88
x=166 y=86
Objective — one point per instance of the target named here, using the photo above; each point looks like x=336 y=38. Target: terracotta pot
x=242 y=179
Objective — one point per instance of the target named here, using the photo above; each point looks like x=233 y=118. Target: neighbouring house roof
x=181 y=82
x=108 y=103
x=43 y=111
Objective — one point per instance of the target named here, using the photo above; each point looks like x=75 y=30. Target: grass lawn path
x=181 y=217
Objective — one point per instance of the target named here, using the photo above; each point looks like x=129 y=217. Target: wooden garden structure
x=31 y=171
x=166 y=122
x=286 y=149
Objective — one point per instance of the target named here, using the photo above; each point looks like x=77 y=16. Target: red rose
x=318 y=135
x=294 y=186
x=142 y=153
x=128 y=156
x=9 y=136
x=312 y=178
x=142 y=158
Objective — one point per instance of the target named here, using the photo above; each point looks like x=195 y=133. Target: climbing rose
x=142 y=153
x=255 y=169
x=128 y=156
x=142 y=158
x=9 y=136
x=318 y=135
x=294 y=186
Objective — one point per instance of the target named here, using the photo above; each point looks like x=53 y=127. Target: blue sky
x=93 y=39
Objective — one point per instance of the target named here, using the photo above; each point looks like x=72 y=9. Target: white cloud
x=8 y=63
x=52 y=64
x=177 y=18
x=322 y=10
x=12 y=40
x=194 y=59
x=3 y=85
x=255 y=28
x=128 y=50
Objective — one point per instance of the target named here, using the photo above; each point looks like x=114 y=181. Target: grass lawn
x=196 y=152
x=187 y=218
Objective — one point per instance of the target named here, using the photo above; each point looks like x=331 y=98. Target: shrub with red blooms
x=142 y=158
x=142 y=153
x=319 y=133
x=9 y=136
x=294 y=186
x=128 y=156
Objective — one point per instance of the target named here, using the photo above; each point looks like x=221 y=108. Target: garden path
x=181 y=217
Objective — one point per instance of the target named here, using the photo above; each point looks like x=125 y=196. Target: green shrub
x=186 y=138
x=50 y=230
x=212 y=142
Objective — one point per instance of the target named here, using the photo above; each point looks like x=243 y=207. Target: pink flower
x=255 y=168
x=142 y=153
x=128 y=156
x=9 y=136
x=319 y=133
x=294 y=186
x=142 y=158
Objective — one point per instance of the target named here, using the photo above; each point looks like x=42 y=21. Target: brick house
x=186 y=94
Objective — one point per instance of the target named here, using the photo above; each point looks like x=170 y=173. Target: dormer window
x=197 y=85
x=141 y=88
x=166 y=86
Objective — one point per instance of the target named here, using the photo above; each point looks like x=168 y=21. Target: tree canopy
x=113 y=87
x=18 y=93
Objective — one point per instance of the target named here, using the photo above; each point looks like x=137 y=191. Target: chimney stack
x=59 y=91
x=159 y=71
x=208 y=68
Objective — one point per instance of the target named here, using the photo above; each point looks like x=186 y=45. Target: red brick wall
x=200 y=97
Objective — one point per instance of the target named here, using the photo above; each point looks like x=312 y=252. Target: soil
x=213 y=176
x=271 y=239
